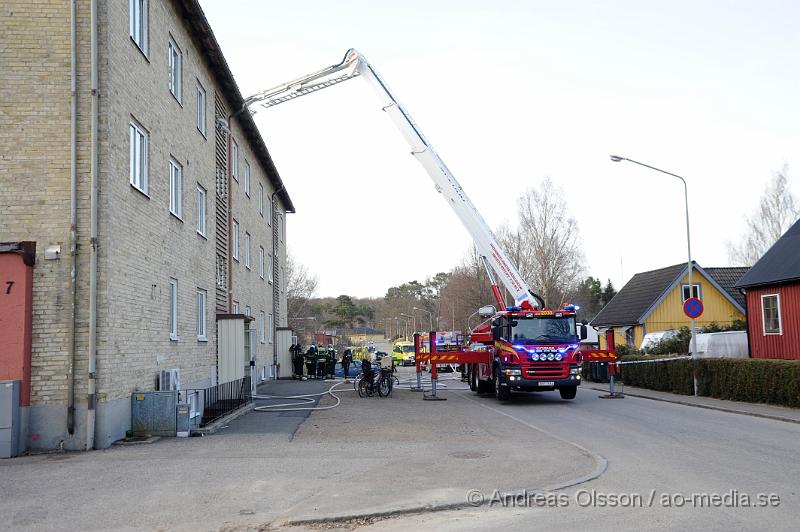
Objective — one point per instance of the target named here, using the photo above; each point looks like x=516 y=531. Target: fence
x=222 y=399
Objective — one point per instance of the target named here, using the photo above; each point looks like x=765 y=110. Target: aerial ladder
x=495 y=360
x=492 y=255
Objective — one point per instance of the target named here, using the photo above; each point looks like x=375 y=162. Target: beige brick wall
x=141 y=245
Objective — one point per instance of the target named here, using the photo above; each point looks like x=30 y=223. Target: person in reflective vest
x=311 y=362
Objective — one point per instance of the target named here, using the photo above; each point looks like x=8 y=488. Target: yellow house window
x=695 y=291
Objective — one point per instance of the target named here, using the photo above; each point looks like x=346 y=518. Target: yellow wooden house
x=653 y=301
x=362 y=335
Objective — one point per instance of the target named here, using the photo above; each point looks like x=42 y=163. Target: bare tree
x=546 y=244
x=778 y=210
x=300 y=287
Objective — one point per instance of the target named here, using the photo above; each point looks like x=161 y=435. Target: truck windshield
x=544 y=330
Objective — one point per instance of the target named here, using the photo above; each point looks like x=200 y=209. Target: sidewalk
x=779 y=413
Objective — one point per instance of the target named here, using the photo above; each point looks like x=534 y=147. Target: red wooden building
x=772 y=290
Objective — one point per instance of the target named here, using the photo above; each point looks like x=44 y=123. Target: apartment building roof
x=198 y=25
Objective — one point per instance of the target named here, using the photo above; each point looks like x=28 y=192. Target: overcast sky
x=509 y=92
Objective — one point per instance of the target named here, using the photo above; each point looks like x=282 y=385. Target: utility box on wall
x=154 y=413
x=9 y=419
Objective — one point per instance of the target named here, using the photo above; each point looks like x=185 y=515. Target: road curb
x=601 y=465
x=707 y=407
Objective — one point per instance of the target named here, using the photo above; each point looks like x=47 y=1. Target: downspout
x=73 y=215
x=91 y=396
x=276 y=289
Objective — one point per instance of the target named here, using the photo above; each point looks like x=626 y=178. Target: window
x=201 y=315
x=173 y=309
x=193 y=398
x=235 y=240
x=174 y=61
x=261 y=261
x=695 y=291
x=175 y=188
x=247 y=310
x=138 y=157
x=201 y=109
x=246 y=178
x=138 y=23
x=235 y=308
x=771 y=314
x=201 y=211
x=282 y=280
x=271 y=206
x=247 y=250
x=262 y=326
x=280 y=226
x=271 y=268
x=261 y=199
x=235 y=160
x=271 y=328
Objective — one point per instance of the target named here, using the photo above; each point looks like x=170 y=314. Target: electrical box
x=182 y=412
x=9 y=419
x=153 y=413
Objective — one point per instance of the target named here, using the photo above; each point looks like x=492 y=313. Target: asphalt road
x=666 y=462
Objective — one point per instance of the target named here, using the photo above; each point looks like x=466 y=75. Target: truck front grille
x=546 y=370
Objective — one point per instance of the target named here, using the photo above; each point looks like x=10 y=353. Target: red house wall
x=785 y=345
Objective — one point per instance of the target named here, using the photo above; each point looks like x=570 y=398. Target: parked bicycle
x=369 y=383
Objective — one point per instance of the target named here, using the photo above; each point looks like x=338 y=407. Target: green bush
x=735 y=379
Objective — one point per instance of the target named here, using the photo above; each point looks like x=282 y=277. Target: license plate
x=547 y=383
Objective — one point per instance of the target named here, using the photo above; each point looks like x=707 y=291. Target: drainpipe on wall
x=91 y=396
x=275 y=279
x=73 y=214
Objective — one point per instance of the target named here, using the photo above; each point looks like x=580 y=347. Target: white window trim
x=173 y=309
x=262 y=325
x=261 y=261
x=247 y=246
x=202 y=309
x=133 y=6
x=246 y=178
x=271 y=328
x=175 y=200
x=235 y=240
x=684 y=287
x=271 y=206
x=261 y=199
x=201 y=216
x=139 y=160
x=777 y=297
x=247 y=310
x=282 y=279
x=175 y=69
x=201 y=110
x=235 y=307
x=193 y=398
x=271 y=269
x=235 y=160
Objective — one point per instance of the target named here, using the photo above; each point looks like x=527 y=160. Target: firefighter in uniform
x=322 y=359
x=347 y=357
x=297 y=361
x=331 y=366
x=311 y=362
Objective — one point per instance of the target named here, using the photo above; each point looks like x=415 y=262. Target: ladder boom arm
x=355 y=65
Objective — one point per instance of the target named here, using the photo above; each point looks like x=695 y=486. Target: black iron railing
x=217 y=401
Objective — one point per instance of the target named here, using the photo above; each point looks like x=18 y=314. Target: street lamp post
x=429 y=314
x=413 y=321
x=693 y=344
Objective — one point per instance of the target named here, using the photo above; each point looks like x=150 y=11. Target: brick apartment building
x=179 y=211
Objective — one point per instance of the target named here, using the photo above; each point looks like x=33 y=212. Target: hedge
x=736 y=379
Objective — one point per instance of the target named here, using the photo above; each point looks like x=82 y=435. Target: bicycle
x=382 y=384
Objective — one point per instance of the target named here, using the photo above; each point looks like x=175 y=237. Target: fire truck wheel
x=568 y=392
x=502 y=393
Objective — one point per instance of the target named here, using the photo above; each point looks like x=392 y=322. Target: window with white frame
x=262 y=326
x=175 y=188
x=235 y=240
x=235 y=160
x=193 y=398
x=201 y=211
x=271 y=206
x=138 y=23
x=271 y=328
x=280 y=226
x=282 y=284
x=174 y=61
x=261 y=261
x=695 y=291
x=138 y=157
x=247 y=310
x=235 y=307
x=247 y=250
x=201 y=109
x=246 y=178
x=201 y=314
x=261 y=199
x=173 y=309
x=771 y=314
x=270 y=269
